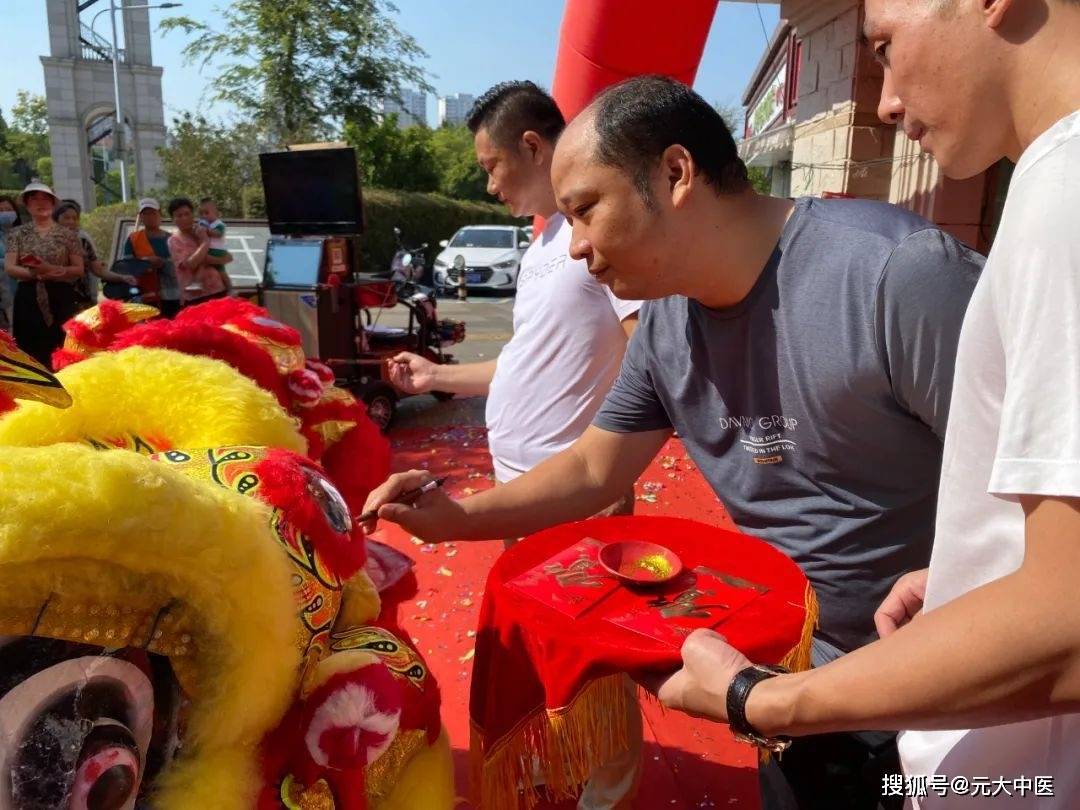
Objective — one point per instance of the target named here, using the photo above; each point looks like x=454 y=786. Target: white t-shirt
x=567 y=347
x=1014 y=429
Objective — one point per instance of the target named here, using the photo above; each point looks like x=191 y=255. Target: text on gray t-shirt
x=816 y=407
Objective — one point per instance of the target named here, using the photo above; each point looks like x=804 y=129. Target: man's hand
x=903 y=603
x=412 y=374
x=434 y=517
x=700 y=687
x=156 y=262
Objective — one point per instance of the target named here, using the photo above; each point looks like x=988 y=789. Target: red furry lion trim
x=360 y=460
x=112 y=321
x=219 y=311
x=304 y=494
x=62 y=358
x=263 y=325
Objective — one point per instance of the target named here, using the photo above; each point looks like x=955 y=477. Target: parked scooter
x=426 y=334
x=408 y=264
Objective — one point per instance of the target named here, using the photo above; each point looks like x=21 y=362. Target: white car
x=489 y=255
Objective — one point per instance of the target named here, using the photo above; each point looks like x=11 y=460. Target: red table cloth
x=548 y=701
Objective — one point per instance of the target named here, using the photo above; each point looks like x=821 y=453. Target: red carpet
x=688 y=763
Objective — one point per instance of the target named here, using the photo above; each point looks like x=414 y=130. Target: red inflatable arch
x=605 y=41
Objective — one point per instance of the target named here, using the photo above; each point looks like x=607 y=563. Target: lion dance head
x=184 y=614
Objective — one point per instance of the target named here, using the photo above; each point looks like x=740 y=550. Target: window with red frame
x=791 y=92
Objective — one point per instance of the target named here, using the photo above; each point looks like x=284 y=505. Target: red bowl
x=640 y=563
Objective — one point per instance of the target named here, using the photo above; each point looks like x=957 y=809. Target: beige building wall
x=77 y=90
x=957 y=206
x=840 y=146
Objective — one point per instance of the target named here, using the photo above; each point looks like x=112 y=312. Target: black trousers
x=834 y=772
x=32 y=334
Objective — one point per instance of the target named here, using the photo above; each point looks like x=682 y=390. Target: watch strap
x=737 y=695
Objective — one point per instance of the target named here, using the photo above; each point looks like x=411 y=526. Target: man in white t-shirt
x=988 y=673
x=570 y=334
x=570 y=331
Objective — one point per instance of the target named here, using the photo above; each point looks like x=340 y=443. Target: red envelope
x=571 y=582
x=696 y=599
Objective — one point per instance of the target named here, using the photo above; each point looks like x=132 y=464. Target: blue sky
x=471 y=44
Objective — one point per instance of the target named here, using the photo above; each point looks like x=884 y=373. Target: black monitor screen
x=292 y=263
x=312 y=191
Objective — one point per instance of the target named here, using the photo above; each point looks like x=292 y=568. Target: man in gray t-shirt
x=816 y=406
x=802 y=350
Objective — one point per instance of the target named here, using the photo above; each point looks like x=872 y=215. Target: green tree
x=734 y=116
x=107 y=187
x=390 y=157
x=299 y=68
x=4 y=129
x=204 y=159
x=26 y=140
x=460 y=176
x=43 y=168
x=760 y=179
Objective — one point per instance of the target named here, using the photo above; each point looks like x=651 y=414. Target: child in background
x=210 y=219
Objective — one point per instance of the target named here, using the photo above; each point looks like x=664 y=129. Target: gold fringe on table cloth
x=560 y=748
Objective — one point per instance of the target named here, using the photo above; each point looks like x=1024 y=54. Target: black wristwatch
x=738 y=692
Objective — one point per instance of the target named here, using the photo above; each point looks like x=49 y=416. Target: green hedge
x=101 y=224
x=421 y=217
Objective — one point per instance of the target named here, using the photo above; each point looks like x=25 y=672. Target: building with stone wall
x=827 y=138
x=80 y=98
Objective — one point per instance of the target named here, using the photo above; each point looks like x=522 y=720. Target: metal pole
x=119 y=132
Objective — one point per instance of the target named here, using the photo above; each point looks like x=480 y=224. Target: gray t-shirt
x=816 y=407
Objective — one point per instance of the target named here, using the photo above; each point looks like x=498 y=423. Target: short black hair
x=75 y=203
x=176 y=203
x=510 y=109
x=637 y=119
x=64 y=207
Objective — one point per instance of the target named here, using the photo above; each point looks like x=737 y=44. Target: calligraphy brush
x=405 y=498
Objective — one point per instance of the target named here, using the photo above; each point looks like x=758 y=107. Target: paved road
x=488 y=327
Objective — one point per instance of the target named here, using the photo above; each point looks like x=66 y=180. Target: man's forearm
x=967 y=664
x=466 y=379
x=572 y=485
x=558 y=491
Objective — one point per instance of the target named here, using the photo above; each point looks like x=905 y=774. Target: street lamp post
x=119 y=132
